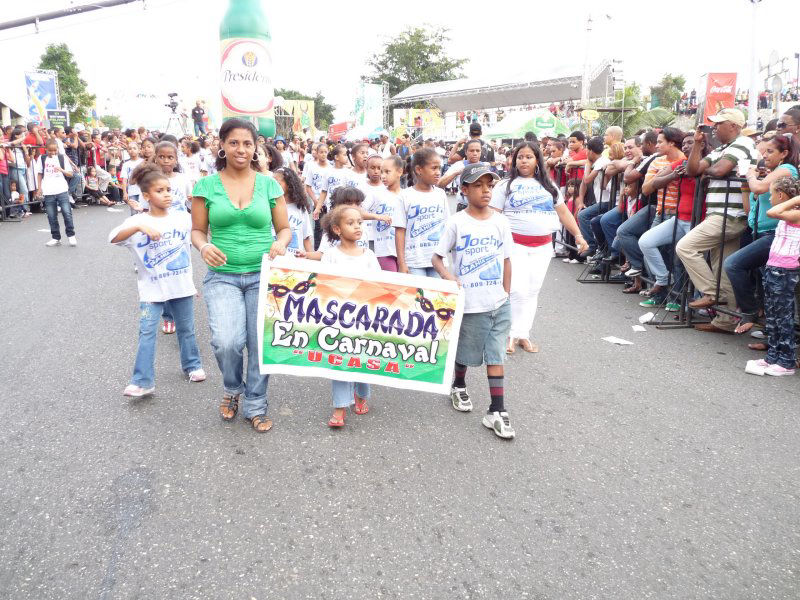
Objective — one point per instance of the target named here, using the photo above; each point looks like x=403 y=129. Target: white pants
x=528 y=268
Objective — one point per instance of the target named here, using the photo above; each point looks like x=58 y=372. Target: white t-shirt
x=287 y=158
x=336 y=178
x=164 y=266
x=387 y=203
x=314 y=174
x=479 y=249
x=190 y=165
x=356 y=264
x=53 y=182
x=325 y=244
x=423 y=215
x=207 y=162
x=372 y=194
x=529 y=207
x=181 y=191
x=599 y=164
x=300 y=226
x=125 y=173
x=60 y=145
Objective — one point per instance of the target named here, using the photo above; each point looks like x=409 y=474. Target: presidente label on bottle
x=246 y=81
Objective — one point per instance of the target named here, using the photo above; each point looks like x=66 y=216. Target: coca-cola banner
x=720 y=93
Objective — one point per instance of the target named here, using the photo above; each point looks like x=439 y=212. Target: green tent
x=516 y=125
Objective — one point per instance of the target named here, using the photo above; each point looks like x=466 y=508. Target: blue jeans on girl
x=51 y=204
x=779 y=287
x=232 y=302
x=144 y=369
x=343 y=392
x=742 y=265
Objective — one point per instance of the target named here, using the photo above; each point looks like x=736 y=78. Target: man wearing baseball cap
x=487 y=154
x=724 y=202
x=479 y=241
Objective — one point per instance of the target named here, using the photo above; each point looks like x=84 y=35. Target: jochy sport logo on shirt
x=170 y=246
x=425 y=219
x=478 y=253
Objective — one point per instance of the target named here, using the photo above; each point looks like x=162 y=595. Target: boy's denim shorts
x=483 y=337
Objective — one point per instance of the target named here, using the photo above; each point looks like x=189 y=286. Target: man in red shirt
x=578 y=156
x=34 y=137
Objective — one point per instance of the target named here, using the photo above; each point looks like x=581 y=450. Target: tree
x=669 y=91
x=416 y=55
x=635 y=116
x=323 y=112
x=72 y=88
x=111 y=121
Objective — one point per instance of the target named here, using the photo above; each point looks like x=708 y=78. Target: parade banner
x=58 y=118
x=302 y=113
x=391 y=329
x=720 y=93
x=42 y=87
x=368 y=109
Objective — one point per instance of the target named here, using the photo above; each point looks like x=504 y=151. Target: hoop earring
x=221 y=153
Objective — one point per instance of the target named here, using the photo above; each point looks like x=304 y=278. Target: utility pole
x=66 y=12
x=585 y=79
x=752 y=102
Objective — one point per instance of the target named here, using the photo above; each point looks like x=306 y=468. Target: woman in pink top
x=780 y=279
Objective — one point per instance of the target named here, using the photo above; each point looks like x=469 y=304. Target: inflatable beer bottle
x=246 y=66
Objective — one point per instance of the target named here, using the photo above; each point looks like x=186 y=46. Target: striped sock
x=460 y=374
x=496 y=393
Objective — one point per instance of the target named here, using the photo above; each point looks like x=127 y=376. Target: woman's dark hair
x=295 y=190
x=674 y=135
x=396 y=161
x=226 y=129
x=275 y=157
x=194 y=147
x=573 y=183
x=558 y=144
x=336 y=150
x=164 y=144
x=334 y=218
x=351 y=196
x=539 y=173
x=146 y=174
x=355 y=149
x=787 y=143
x=421 y=158
x=16 y=132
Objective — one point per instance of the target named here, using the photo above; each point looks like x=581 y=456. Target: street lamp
x=797 y=81
x=752 y=104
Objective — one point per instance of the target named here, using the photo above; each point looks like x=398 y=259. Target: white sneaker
x=778 y=371
x=573 y=261
x=72 y=241
x=197 y=375
x=134 y=391
x=499 y=423
x=460 y=399
x=53 y=242
x=565 y=260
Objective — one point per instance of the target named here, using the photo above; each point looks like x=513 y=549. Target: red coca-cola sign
x=720 y=93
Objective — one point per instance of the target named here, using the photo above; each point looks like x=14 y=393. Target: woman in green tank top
x=238 y=208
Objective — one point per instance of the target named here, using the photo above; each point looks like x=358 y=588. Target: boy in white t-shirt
x=52 y=170
x=160 y=243
x=479 y=241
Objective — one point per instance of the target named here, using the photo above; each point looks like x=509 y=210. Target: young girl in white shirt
x=420 y=222
x=388 y=205
x=336 y=177
x=297 y=207
x=159 y=241
x=343 y=224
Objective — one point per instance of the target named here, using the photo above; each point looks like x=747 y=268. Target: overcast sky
x=172 y=45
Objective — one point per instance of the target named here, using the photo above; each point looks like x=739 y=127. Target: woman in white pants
x=535 y=210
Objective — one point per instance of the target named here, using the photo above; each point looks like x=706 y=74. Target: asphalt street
x=658 y=470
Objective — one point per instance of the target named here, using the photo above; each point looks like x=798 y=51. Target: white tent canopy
x=483 y=93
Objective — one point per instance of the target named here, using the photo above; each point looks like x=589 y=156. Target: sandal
x=261 y=423
x=229 y=407
x=335 y=421
x=759 y=346
x=360 y=407
x=632 y=289
x=745 y=324
x=528 y=346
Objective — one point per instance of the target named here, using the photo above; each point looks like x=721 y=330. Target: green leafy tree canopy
x=669 y=91
x=112 y=121
x=415 y=55
x=74 y=96
x=323 y=112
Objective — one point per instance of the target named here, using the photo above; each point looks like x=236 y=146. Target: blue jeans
x=144 y=369
x=424 y=272
x=20 y=176
x=609 y=223
x=199 y=128
x=343 y=392
x=585 y=217
x=76 y=185
x=657 y=236
x=50 y=205
x=232 y=302
x=742 y=266
x=779 y=285
x=630 y=232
